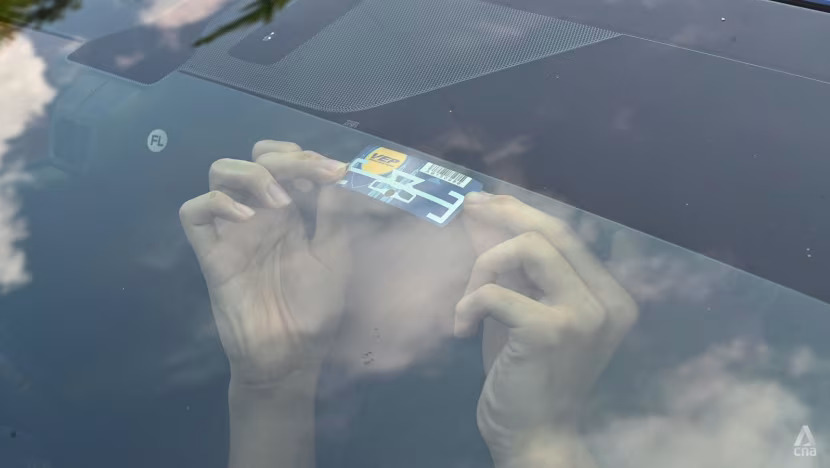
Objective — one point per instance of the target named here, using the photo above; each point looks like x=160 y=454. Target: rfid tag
x=422 y=188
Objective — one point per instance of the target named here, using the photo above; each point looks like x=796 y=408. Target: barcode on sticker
x=447 y=175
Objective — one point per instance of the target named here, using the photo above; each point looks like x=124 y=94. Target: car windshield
x=414 y=233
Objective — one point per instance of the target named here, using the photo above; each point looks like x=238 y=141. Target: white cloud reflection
x=23 y=98
x=171 y=14
x=168 y=14
x=720 y=409
x=662 y=274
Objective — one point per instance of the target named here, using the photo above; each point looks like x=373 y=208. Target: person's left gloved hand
x=564 y=316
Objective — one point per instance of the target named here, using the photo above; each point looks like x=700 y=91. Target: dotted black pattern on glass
x=387 y=50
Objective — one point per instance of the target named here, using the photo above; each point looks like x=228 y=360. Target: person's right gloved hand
x=276 y=292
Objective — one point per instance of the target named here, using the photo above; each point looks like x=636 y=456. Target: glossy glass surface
x=686 y=153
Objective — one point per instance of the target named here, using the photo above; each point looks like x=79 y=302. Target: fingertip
x=273 y=146
x=278 y=195
x=462 y=328
x=326 y=175
x=477 y=197
x=476 y=204
x=328 y=170
x=244 y=211
x=456 y=331
x=333 y=168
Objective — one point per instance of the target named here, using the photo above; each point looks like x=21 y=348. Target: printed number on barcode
x=447 y=175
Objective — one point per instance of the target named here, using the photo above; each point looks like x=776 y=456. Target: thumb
x=483 y=235
x=332 y=235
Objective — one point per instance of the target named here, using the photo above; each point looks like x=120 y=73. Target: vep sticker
x=425 y=189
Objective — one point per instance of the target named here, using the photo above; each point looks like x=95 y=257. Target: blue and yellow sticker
x=422 y=188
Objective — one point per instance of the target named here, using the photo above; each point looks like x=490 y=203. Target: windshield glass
x=366 y=233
